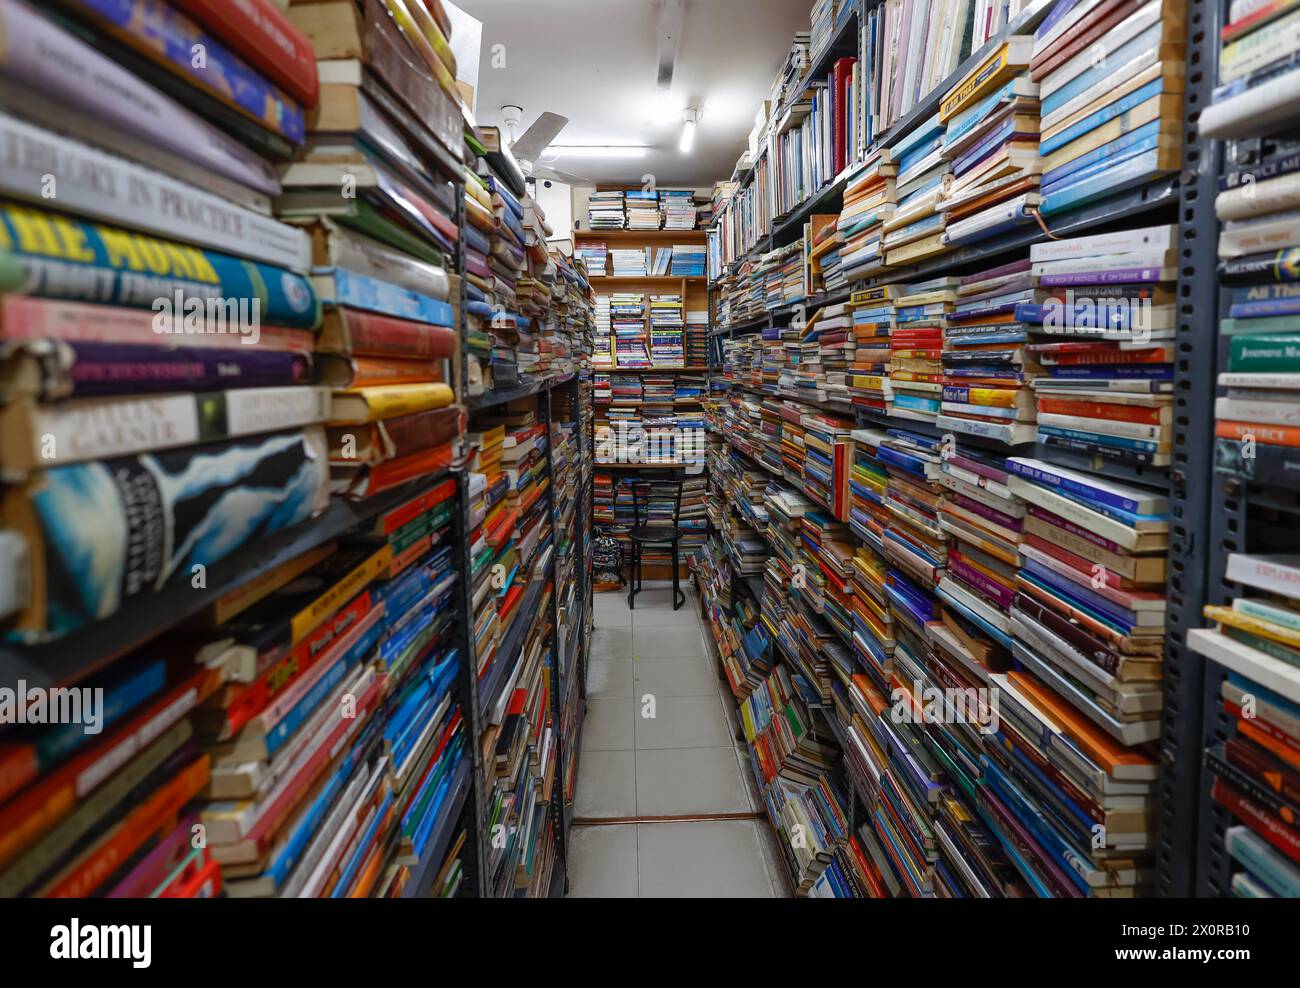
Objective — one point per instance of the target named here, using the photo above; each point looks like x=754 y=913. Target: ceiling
x=596 y=62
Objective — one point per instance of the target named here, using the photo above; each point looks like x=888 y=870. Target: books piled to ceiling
x=605 y=210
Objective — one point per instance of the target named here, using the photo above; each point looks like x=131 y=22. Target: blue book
x=1057 y=182
x=1101 y=439
x=1108 y=112
x=1134 y=171
x=339 y=286
x=1141 y=139
x=358 y=856
x=1085 y=80
x=1093 y=494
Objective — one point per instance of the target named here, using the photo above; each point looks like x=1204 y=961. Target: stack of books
x=667 y=343
x=642 y=209
x=629 y=262
x=915 y=229
x=1256 y=768
x=602 y=350
x=605 y=211
x=697 y=337
x=595 y=254
x=628 y=323
x=1107 y=324
x=1112 y=124
x=677 y=210
x=987 y=366
x=916 y=347
x=870 y=198
x=688 y=260
x=991 y=143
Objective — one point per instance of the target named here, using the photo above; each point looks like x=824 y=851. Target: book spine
x=1262 y=572
x=262 y=35
x=169 y=38
x=114 y=190
x=101 y=861
x=104 y=369
x=1259 y=820
x=346 y=288
x=155 y=516
x=52 y=61
x=79 y=261
x=25 y=317
x=411 y=433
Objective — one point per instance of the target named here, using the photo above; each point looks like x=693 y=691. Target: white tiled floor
x=659 y=739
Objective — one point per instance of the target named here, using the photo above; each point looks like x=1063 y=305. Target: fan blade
x=555 y=175
x=537 y=138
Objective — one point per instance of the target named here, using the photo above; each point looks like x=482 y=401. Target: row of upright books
x=639 y=331
x=205 y=342
x=645 y=209
x=676 y=261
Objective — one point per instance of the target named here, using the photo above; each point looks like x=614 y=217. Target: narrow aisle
x=659 y=741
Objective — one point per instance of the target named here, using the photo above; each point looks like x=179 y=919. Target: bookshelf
x=749 y=231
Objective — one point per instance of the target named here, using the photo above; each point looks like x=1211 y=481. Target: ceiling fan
x=529 y=146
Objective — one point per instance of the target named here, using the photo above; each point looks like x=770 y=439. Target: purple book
x=1002 y=271
x=1117 y=276
x=975 y=466
x=88 y=369
x=984 y=511
x=993 y=592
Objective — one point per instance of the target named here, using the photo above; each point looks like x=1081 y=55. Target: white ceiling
x=595 y=62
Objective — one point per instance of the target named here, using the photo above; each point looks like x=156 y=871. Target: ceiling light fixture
x=596 y=151
x=690 y=117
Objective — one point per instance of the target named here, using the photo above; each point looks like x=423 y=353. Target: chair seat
x=655 y=535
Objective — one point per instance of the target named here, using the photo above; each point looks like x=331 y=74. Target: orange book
x=1273 y=435
x=38 y=808
x=1118 y=762
x=368 y=372
x=1101 y=410
x=157 y=813
x=396 y=472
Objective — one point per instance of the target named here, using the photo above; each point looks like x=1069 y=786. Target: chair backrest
x=646 y=490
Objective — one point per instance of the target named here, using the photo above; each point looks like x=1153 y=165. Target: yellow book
x=384 y=402
x=1010 y=59
x=1244 y=622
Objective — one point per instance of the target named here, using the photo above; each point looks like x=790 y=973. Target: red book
x=261 y=35
x=843 y=74
x=369 y=334
x=397 y=472
x=1258 y=819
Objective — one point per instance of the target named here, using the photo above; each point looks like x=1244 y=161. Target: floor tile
x=716 y=859
x=609 y=726
x=610 y=611
x=693 y=676
x=603 y=862
x=653 y=643
x=611 y=643
x=662 y=597
x=609 y=678
x=663 y=616
x=680 y=722
x=777 y=874
x=606 y=784
x=688 y=780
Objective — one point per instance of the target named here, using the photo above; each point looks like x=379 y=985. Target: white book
x=1119 y=34
x=1274 y=573
x=1148 y=240
x=1272 y=381
x=104 y=187
x=1265 y=108
x=1263 y=233
x=1272 y=195
x=1106 y=427
x=1241 y=57
x=1267 y=412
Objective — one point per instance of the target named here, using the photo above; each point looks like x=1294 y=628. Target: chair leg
x=631 y=581
x=677 y=582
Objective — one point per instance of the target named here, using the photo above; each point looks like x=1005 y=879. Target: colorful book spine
x=54 y=256
x=180 y=46
x=339 y=286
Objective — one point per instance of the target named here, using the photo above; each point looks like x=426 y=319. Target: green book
x=1276 y=650
x=1270 y=352
x=1269 y=324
